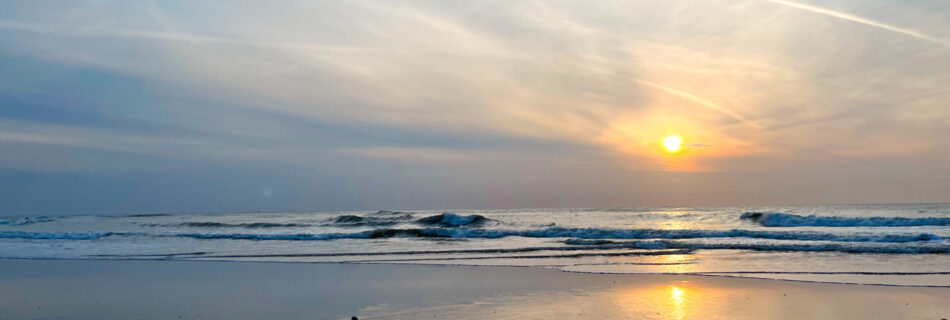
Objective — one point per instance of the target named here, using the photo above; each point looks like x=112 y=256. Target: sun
x=673 y=144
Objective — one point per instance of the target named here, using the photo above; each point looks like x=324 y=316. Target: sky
x=111 y=107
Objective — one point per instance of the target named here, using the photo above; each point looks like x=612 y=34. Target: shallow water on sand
x=873 y=244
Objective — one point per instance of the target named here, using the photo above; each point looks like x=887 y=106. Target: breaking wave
x=776 y=219
x=449 y=219
x=392 y=213
x=382 y=218
x=577 y=233
x=578 y=236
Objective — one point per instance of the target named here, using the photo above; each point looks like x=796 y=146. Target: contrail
x=704 y=102
x=864 y=21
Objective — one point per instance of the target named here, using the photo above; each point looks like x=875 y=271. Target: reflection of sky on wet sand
x=677 y=303
x=679 y=298
x=780 y=265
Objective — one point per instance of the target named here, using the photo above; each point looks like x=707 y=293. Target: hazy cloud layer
x=118 y=106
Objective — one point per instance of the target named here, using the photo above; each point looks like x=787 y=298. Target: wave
x=386 y=218
x=150 y=255
x=776 y=219
x=420 y=252
x=146 y=215
x=349 y=219
x=549 y=256
x=392 y=213
x=830 y=247
x=587 y=242
x=621 y=209
x=579 y=233
x=873 y=273
x=449 y=219
x=54 y=235
x=237 y=225
x=25 y=221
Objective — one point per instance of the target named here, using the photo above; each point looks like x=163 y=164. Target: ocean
x=899 y=244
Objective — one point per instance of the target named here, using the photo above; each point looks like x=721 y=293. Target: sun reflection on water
x=675 y=263
x=675 y=225
x=678 y=301
x=673 y=301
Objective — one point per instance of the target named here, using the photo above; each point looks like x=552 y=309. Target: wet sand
x=84 y=289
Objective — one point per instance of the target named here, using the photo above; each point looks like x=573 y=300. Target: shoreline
x=162 y=289
x=724 y=274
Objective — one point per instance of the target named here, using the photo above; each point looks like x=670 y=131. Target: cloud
x=517 y=104
x=864 y=21
x=701 y=101
x=70 y=31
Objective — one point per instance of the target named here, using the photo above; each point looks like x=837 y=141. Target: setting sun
x=673 y=143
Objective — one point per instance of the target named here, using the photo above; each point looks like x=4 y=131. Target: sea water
x=902 y=244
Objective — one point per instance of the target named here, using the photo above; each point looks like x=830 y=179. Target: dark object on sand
x=354 y=318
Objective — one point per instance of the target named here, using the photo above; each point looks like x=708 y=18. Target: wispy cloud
x=464 y=96
x=68 y=31
x=701 y=101
x=862 y=20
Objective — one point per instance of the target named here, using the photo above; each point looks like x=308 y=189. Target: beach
x=149 y=289
x=635 y=159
